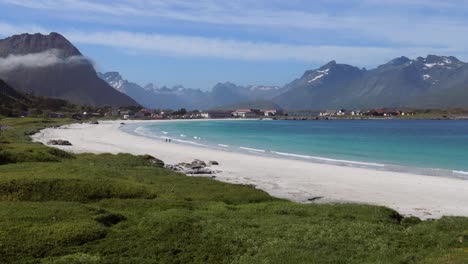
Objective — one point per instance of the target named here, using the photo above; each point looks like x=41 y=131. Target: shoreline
x=424 y=196
x=132 y=128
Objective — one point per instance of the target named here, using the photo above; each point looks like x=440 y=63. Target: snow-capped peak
x=321 y=74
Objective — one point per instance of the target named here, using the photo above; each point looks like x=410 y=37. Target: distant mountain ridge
x=49 y=65
x=430 y=82
x=222 y=94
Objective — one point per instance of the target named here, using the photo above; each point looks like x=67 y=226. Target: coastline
x=423 y=196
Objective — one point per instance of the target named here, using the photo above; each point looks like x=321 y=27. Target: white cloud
x=394 y=23
x=38 y=60
x=189 y=46
x=176 y=45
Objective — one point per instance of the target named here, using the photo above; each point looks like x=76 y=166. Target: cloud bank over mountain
x=39 y=60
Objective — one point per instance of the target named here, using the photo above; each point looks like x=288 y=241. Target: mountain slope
x=11 y=99
x=320 y=88
x=14 y=102
x=432 y=82
x=49 y=65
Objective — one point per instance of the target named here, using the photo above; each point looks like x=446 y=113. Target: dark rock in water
x=94 y=123
x=59 y=142
x=154 y=161
x=212 y=162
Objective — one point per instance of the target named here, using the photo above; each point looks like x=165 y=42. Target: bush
x=109 y=219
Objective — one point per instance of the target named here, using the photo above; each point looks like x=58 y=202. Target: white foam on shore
x=252 y=149
x=460 y=172
x=144 y=132
x=329 y=160
x=224 y=146
x=189 y=142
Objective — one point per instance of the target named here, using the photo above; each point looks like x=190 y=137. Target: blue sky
x=199 y=43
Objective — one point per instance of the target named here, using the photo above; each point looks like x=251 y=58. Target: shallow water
x=411 y=145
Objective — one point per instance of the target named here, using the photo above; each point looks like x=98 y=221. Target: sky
x=198 y=43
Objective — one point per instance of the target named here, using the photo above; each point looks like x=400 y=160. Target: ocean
x=421 y=146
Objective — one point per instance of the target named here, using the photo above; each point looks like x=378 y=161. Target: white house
x=245 y=113
x=216 y=114
x=272 y=112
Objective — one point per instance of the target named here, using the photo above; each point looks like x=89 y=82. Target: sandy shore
x=409 y=194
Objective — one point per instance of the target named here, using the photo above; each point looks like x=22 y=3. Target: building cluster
x=372 y=112
x=243 y=113
x=150 y=114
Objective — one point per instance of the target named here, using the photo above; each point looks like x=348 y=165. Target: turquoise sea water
x=399 y=144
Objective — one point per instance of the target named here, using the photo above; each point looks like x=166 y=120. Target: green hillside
x=15 y=103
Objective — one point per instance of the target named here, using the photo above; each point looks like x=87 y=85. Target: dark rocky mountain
x=11 y=99
x=317 y=89
x=17 y=103
x=49 y=65
x=8 y=94
x=432 y=82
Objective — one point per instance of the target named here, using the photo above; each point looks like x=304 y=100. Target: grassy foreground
x=56 y=207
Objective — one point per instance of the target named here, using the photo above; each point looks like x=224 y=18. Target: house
x=246 y=113
x=341 y=112
x=328 y=113
x=157 y=116
x=114 y=112
x=216 y=114
x=272 y=112
x=377 y=112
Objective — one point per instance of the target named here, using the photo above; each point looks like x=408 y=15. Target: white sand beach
x=410 y=194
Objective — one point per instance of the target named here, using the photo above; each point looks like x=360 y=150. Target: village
x=272 y=114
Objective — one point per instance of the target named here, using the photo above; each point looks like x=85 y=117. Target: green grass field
x=56 y=207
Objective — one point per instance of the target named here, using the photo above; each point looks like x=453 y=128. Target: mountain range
x=49 y=65
x=430 y=82
x=220 y=96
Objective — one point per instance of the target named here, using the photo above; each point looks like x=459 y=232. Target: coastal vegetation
x=58 y=207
